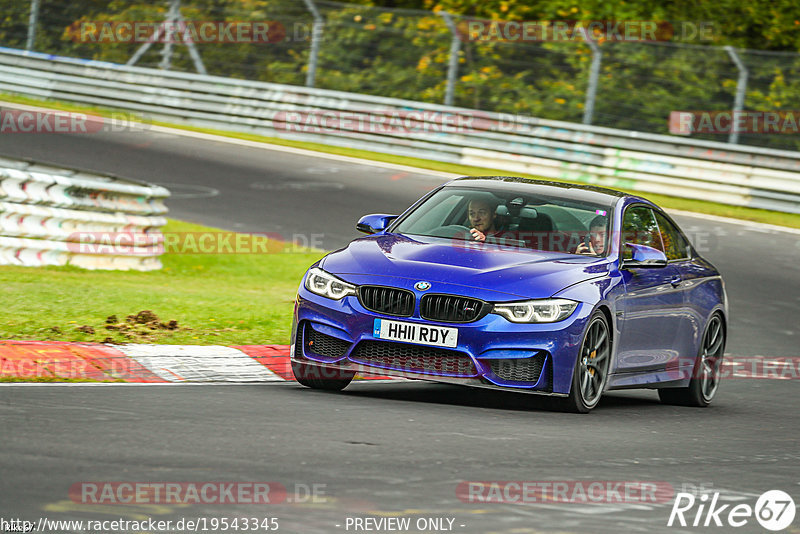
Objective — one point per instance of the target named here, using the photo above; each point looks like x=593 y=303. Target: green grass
x=224 y=299
x=699 y=206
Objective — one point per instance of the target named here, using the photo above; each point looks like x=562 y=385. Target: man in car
x=482 y=218
x=597 y=238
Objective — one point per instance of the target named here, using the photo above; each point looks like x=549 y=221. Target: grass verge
x=215 y=299
x=669 y=202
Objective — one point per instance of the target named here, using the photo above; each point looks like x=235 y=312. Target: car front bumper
x=491 y=352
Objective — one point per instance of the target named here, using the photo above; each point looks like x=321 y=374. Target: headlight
x=536 y=311
x=327 y=285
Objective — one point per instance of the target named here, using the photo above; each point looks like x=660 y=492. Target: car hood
x=489 y=268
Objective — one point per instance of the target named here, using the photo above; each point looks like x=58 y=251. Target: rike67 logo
x=774 y=510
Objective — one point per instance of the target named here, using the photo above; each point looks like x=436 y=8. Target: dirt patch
x=141 y=326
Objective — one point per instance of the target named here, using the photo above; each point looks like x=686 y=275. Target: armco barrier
x=57 y=216
x=731 y=174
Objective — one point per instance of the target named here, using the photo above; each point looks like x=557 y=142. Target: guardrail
x=730 y=174
x=57 y=216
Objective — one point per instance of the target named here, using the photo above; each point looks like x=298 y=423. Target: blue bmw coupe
x=520 y=285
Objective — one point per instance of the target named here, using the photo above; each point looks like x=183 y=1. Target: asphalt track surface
x=394 y=449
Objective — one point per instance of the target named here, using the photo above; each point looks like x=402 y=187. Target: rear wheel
x=706 y=373
x=317 y=377
x=591 y=369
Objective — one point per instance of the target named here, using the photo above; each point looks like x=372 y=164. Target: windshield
x=512 y=218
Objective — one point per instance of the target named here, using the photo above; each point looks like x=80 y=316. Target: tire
x=705 y=375
x=317 y=377
x=591 y=367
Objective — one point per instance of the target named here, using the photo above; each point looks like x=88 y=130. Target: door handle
x=675 y=281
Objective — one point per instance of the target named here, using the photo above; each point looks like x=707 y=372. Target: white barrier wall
x=58 y=216
x=727 y=173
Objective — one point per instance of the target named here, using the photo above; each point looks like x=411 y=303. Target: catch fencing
x=58 y=216
x=623 y=74
x=690 y=168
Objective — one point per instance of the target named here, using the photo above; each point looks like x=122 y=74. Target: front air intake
x=387 y=300
x=413 y=358
x=452 y=309
x=518 y=369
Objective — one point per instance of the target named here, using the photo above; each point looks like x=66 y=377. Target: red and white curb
x=187 y=363
x=53 y=360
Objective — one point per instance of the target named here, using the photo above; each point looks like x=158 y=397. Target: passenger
x=597 y=238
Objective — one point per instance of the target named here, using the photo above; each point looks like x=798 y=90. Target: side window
x=639 y=226
x=675 y=245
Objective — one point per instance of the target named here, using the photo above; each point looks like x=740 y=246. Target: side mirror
x=643 y=256
x=374 y=223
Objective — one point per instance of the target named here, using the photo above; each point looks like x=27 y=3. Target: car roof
x=588 y=193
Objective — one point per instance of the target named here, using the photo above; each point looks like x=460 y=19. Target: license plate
x=438 y=336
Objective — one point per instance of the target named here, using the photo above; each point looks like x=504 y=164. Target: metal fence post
x=741 y=87
x=32 y=20
x=594 y=74
x=189 y=42
x=452 y=67
x=172 y=17
x=316 y=37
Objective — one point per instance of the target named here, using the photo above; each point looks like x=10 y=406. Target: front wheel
x=706 y=373
x=317 y=377
x=591 y=368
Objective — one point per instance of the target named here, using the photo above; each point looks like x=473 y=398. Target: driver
x=482 y=218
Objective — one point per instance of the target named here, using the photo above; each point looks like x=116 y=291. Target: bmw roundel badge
x=422 y=286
